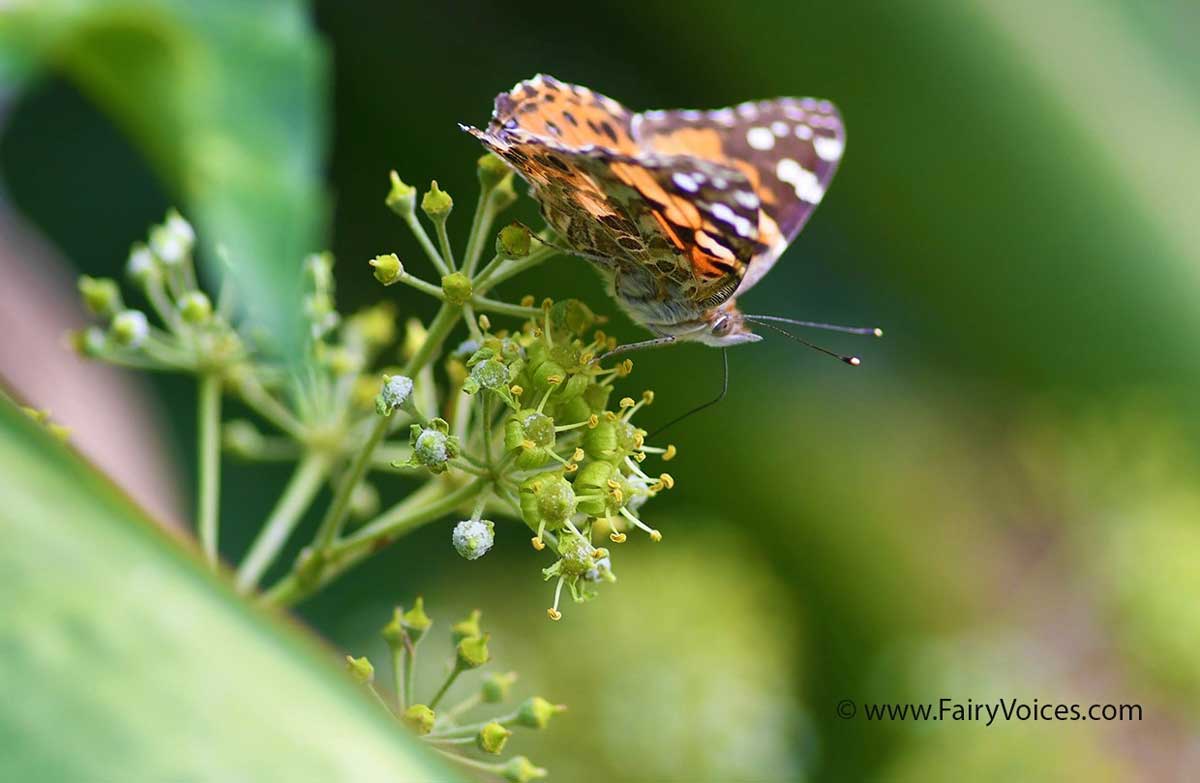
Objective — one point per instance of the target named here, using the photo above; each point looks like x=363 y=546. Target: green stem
x=335 y=516
x=414 y=225
x=424 y=287
x=401 y=519
x=504 y=308
x=450 y=678
x=304 y=485
x=398 y=676
x=484 y=766
x=428 y=503
x=410 y=672
x=485 y=213
x=444 y=243
x=473 y=728
x=439 y=329
x=512 y=268
x=208 y=423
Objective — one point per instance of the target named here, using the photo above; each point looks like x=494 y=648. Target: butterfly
x=683 y=211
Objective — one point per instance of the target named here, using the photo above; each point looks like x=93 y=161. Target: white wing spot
x=723 y=213
x=723 y=116
x=803 y=132
x=779 y=128
x=747 y=110
x=828 y=147
x=793 y=112
x=807 y=186
x=685 y=182
x=760 y=138
x=746 y=199
x=691 y=115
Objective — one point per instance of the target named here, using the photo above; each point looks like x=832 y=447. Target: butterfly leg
x=657 y=342
x=709 y=404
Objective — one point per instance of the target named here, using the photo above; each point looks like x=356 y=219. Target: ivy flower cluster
x=519 y=421
x=473 y=730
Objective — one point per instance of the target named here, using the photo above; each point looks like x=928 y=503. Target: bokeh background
x=1001 y=503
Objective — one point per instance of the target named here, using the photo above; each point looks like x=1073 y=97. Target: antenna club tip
x=878 y=332
x=853 y=361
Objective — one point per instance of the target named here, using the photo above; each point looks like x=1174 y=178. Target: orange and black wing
x=788 y=149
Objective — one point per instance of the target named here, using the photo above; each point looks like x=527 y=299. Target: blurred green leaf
x=227 y=101
x=122 y=659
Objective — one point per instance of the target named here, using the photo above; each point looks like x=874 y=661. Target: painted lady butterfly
x=683 y=211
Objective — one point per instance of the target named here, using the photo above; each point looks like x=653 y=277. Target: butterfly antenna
x=709 y=404
x=853 y=361
x=872 y=331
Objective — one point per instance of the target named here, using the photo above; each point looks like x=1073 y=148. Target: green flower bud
x=89 y=342
x=242 y=439
x=597 y=396
x=457 y=288
x=591 y=487
x=573 y=407
x=472 y=652
x=513 y=241
x=520 y=770
x=419 y=718
x=388 y=268
x=396 y=391
x=101 y=296
x=141 y=266
x=574 y=555
x=401 y=199
x=195 y=307
x=360 y=669
x=548 y=373
x=496 y=687
x=467 y=628
x=572 y=389
x=492 y=171
x=415 y=621
x=168 y=246
x=547 y=499
x=433 y=447
x=573 y=316
x=490 y=374
x=536 y=712
x=394 y=633
x=492 y=738
x=472 y=538
x=436 y=203
x=130 y=328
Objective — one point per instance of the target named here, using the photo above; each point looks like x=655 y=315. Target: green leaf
x=121 y=658
x=227 y=101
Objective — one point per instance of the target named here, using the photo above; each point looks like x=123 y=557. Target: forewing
x=674 y=216
x=787 y=148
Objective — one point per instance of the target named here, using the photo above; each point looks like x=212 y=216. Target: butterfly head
x=724 y=326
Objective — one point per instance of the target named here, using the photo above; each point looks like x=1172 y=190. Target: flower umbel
x=470 y=725
x=520 y=423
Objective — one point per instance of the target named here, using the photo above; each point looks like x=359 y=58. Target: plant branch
x=208 y=424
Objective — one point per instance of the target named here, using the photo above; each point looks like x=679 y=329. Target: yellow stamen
x=553 y=614
x=668 y=480
x=594 y=421
x=527 y=300
x=485 y=323
x=537 y=542
x=648 y=397
x=669 y=454
x=626 y=402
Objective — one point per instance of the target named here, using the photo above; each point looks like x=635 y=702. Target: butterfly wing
x=788 y=149
x=667 y=222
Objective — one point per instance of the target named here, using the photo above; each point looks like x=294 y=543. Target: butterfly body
x=681 y=211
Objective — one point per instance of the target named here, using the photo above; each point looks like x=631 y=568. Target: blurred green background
x=1002 y=502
